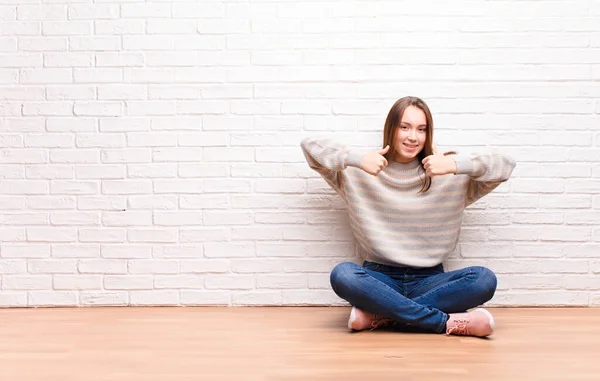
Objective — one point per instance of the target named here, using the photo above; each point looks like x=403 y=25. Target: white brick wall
x=149 y=151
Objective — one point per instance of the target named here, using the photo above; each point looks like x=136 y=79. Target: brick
x=25 y=250
x=73 y=187
x=235 y=154
x=103 y=171
x=16 y=266
x=280 y=218
x=284 y=281
x=128 y=282
x=203 y=170
x=46 y=76
x=100 y=108
x=177 y=218
x=102 y=235
x=126 y=186
x=24 y=218
x=156 y=297
x=583 y=186
x=312 y=297
x=49 y=140
x=101 y=202
x=51 y=298
x=280 y=186
x=151 y=170
x=257 y=298
x=537 y=298
x=153 y=266
x=229 y=282
x=227 y=218
x=580 y=250
x=257 y=233
x=249 y=266
x=77 y=282
x=102 y=266
x=124 y=124
x=120 y=27
x=179 y=186
x=177 y=154
x=179 y=251
x=565 y=233
x=148 y=108
x=27 y=282
x=126 y=251
x=210 y=234
x=103 y=298
x=229 y=250
x=152 y=202
x=23 y=156
x=53 y=234
x=12 y=203
x=203 y=266
x=142 y=10
x=76 y=156
x=178 y=282
x=93 y=11
x=20 y=93
x=226 y=185
x=151 y=139
x=538 y=218
x=126 y=218
x=75 y=251
x=42 y=12
x=13 y=299
x=256 y=170
x=78 y=124
x=205 y=298
x=121 y=92
x=74 y=218
x=152 y=235
x=76 y=92
x=66 y=28
x=280 y=250
x=126 y=155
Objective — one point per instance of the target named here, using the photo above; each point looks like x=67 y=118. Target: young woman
x=406 y=203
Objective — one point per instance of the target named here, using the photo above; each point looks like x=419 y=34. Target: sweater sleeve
x=329 y=159
x=486 y=173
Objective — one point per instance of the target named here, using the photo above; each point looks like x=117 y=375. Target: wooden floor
x=300 y=343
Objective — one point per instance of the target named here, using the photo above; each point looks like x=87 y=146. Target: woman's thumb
x=385 y=150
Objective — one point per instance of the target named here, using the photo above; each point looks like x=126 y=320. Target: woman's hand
x=374 y=162
x=438 y=165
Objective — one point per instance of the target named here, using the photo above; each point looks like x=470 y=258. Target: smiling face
x=411 y=135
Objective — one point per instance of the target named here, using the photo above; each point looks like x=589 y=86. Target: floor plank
x=286 y=343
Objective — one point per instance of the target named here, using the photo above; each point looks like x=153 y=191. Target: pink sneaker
x=475 y=323
x=360 y=320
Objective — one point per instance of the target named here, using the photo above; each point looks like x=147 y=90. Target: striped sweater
x=393 y=223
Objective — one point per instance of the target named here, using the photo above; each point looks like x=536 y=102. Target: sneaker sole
x=489 y=315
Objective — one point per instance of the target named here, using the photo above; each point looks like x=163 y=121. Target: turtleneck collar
x=403 y=174
x=397 y=167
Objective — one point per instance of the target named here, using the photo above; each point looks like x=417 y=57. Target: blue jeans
x=414 y=297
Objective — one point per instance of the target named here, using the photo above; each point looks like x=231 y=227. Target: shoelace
x=379 y=321
x=460 y=328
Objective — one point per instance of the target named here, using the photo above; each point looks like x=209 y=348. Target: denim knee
x=486 y=281
x=342 y=275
